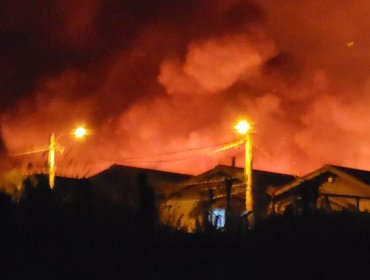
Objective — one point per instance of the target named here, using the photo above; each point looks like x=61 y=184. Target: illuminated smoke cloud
x=211 y=66
x=151 y=77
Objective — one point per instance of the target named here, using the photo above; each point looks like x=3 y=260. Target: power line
x=179 y=152
x=156 y=161
x=142 y=159
x=152 y=158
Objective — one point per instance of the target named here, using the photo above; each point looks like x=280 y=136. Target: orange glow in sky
x=162 y=85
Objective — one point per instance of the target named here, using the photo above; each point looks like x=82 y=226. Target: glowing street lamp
x=78 y=133
x=244 y=128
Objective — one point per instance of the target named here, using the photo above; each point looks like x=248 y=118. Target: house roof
x=221 y=172
x=131 y=169
x=360 y=176
x=126 y=176
x=217 y=175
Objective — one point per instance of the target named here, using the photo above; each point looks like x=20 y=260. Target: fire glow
x=156 y=89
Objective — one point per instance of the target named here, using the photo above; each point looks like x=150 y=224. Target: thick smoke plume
x=153 y=77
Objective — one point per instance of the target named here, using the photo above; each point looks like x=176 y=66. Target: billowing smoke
x=151 y=78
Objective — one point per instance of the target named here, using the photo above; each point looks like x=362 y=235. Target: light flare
x=242 y=127
x=80 y=132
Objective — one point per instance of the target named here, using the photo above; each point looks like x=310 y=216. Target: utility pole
x=52 y=148
x=51 y=160
x=243 y=128
x=248 y=180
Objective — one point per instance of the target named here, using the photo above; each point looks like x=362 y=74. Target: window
x=217 y=217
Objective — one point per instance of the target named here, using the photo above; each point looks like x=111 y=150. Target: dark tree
x=147 y=209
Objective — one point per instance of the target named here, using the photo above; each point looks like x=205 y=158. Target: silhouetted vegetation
x=65 y=233
x=146 y=217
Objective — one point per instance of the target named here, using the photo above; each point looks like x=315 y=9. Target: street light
x=78 y=133
x=244 y=128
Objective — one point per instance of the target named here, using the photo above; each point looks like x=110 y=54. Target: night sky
x=151 y=78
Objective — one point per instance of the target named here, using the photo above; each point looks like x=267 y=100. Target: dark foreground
x=45 y=239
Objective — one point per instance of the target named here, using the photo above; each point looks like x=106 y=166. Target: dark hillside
x=47 y=236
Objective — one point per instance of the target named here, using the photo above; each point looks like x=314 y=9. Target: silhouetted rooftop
x=359 y=174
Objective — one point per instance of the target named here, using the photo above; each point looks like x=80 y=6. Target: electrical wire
x=180 y=152
x=151 y=159
x=147 y=159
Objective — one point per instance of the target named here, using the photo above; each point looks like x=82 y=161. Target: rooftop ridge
x=258 y=170
x=140 y=168
x=349 y=168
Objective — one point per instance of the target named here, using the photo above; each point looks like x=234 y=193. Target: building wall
x=179 y=213
x=345 y=186
x=193 y=214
